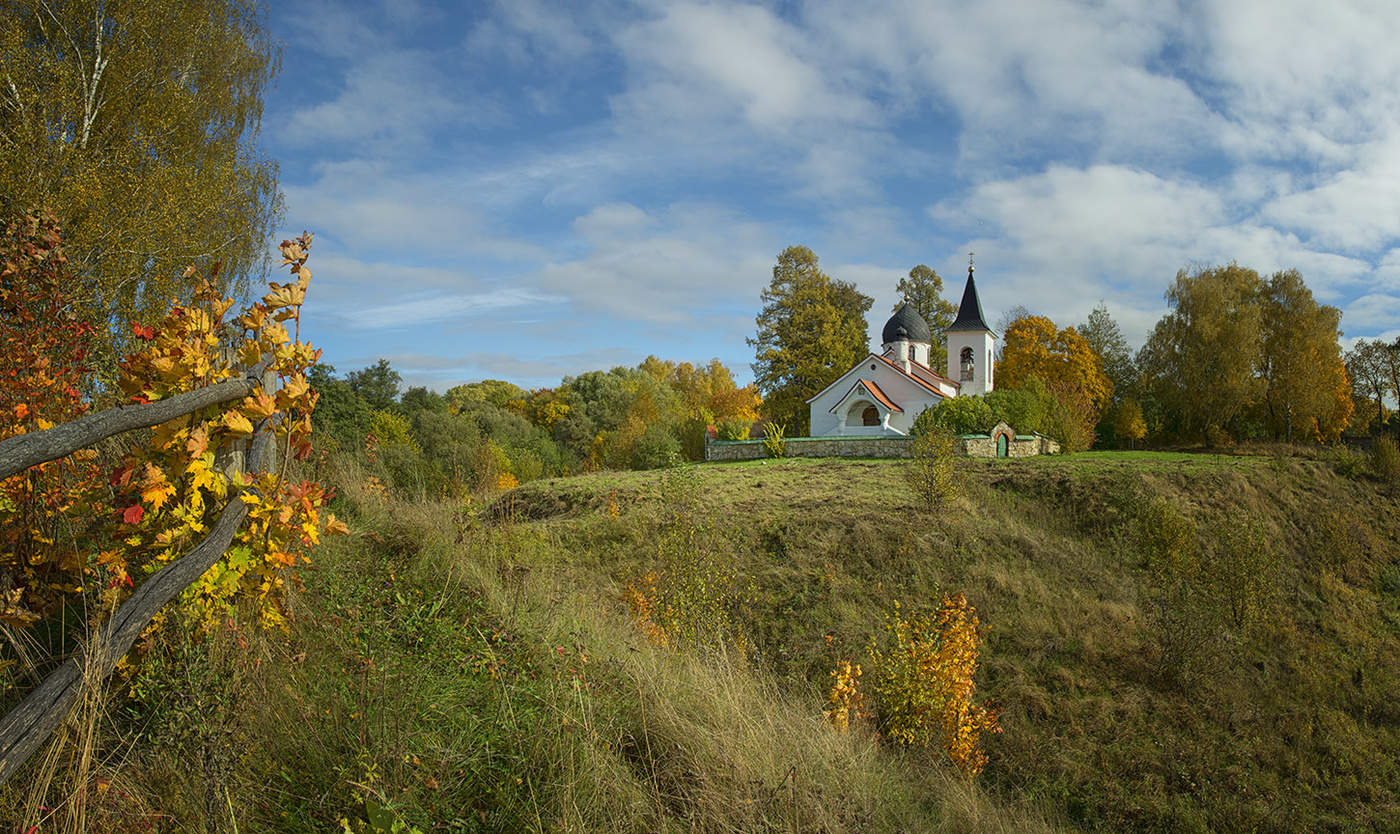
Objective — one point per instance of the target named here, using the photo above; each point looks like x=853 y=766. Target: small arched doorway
x=1002 y=449
x=870 y=416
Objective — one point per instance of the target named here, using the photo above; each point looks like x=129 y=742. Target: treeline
x=1238 y=357
x=494 y=434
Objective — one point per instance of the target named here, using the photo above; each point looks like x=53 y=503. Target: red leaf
x=133 y=514
x=146 y=332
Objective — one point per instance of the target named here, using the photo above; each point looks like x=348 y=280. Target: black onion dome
x=970 y=311
x=906 y=323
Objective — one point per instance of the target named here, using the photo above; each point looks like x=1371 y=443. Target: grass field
x=1178 y=642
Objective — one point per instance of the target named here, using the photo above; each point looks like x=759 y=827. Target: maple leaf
x=144 y=331
x=198 y=442
x=236 y=423
x=250 y=353
x=133 y=514
x=259 y=405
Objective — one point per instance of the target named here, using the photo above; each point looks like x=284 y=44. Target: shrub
x=657 y=448
x=391 y=429
x=1348 y=462
x=773 y=441
x=1385 y=461
x=930 y=469
x=961 y=415
x=923 y=670
x=692 y=599
x=734 y=428
x=1019 y=409
x=845 y=699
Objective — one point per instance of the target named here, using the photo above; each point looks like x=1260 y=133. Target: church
x=885 y=391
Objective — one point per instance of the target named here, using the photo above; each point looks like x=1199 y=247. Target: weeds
x=1385 y=461
x=774 y=440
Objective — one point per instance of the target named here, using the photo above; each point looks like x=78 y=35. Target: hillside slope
x=1176 y=642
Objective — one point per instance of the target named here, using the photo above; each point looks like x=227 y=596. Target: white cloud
x=1372 y=313
x=695 y=260
x=392 y=101
x=436 y=308
x=735 y=59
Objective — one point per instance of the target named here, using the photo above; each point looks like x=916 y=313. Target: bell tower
x=971 y=343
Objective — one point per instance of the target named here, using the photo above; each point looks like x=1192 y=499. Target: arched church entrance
x=863 y=413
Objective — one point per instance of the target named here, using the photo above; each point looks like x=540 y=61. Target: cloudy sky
x=526 y=190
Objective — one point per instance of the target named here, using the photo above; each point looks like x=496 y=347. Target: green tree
x=377 y=384
x=923 y=290
x=342 y=417
x=1301 y=361
x=1020 y=409
x=1201 y=360
x=1366 y=363
x=136 y=123
x=497 y=392
x=810 y=331
x=1106 y=340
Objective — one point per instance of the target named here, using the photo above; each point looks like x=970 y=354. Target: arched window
x=966 y=364
x=870 y=416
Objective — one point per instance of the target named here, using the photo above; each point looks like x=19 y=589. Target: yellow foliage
x=1062 y=358
x=924 y=683
x=845 y=699
x=505 y=481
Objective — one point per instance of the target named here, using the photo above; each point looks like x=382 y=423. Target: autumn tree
x=1202 y=358
x=923 y=290
x=1366 y=363
x=1059 y=356
x=1305 y=380
x=136 y=123
x=811 y=330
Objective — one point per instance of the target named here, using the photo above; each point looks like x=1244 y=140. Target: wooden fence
x=25 y=728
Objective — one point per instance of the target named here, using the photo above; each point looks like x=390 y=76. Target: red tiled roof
x=911 y=376
x=875 y=392
x=923 y=369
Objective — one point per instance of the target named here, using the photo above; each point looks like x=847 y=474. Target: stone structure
x=1001 y=442
x=813 y=447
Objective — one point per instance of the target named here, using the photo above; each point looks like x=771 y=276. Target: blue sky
x=527 y=190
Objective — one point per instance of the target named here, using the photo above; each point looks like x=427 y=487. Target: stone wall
x=812 y=447
x=980 y=446
x=1024 y=446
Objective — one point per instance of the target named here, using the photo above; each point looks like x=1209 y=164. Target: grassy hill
x=1177 y=643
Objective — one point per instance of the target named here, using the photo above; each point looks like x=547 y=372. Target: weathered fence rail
x=25 y=728
x=22 y=451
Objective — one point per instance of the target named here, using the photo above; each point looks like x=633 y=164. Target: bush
x=773 y=441
x=1348 y=462
x=923 y=670
x=1385 y=461
x=1021 y=410
x=961 y=415
x=930 y=469
x=734 y=428
x=657 y=448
